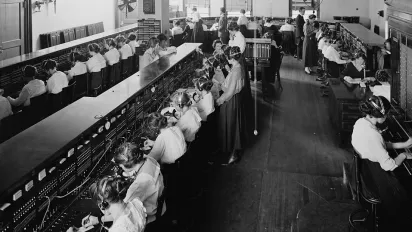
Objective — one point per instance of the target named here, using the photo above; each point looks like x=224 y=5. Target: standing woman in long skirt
x=232 y=132
x=309 y=55
x=198 y=33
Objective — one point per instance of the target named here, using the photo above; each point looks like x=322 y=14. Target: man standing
x=300 y=21
x=222 y=31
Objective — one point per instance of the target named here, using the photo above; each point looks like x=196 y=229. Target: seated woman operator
x=377 y=165
x=33 y=88
x=355 y=68
x=167 y=142
x=109 y=193
x=148 y=180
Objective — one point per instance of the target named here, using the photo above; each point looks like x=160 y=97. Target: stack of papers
x=382 y=90
x=350 y=80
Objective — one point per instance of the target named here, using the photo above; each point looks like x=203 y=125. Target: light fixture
x=37 y=6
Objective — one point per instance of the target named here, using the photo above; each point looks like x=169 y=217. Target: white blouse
x=78 y=69
x=57 y=82
x=321 y=44
x=125 y=52
x=206 y=106
x=333 y=55
x=133 y=45
x=112 y=56
x=235 y=75
x=149 y=56
x=32 y=89
x=133 y=219
x=93 y=64
x=147 y=187
x=5 y=108
x=287 y=27
x=368 y=142
x=102 y=60
x=238 y=40
x=324 y=48
x=169 y=146
x=189 y=123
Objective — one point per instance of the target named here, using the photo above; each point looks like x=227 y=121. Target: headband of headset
x=381 y=109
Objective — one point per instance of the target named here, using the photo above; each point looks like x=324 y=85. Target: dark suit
x=299 y=34
x=223 y=33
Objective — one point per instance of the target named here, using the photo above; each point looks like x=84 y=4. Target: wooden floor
x=293 y=161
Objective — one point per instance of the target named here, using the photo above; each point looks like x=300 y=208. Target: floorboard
x=293 y=161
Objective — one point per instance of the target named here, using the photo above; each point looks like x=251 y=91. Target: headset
x=182 y=99
x=203 y=83
x=381 y=109
x=104 y=204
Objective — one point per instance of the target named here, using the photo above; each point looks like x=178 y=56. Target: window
x=311 y=7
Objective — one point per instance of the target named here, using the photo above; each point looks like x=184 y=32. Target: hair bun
x=365 y=108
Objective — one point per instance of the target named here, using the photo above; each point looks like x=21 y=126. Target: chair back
x=95 y=82
x=38 y=109
x=55 y=102
x=7 y=128
x=356 y=162
x=82 y=85
x=68 y=94
x=135 y=62
x=125 y=67
x=117 y=72
x=105 y=80
x=177 y=40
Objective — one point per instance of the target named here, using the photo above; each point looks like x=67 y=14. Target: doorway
x=12 y=28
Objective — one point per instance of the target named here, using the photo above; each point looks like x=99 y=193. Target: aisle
x=294 y=160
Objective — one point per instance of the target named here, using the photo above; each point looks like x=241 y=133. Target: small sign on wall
x=149 y=6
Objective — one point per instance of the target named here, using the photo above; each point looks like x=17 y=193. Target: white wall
x=374 y=7
x=280 y=8
x=262 y=7
x=271 y=8
x=73 y=13
x=215 y=7
x=330 y=8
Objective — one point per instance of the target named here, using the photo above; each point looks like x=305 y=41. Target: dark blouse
x=352 y=71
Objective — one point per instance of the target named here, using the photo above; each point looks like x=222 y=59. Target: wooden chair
x=82 y=85
x=68 y=94
x=95 y=83
x=125 y=67
x=38 y=109
x=8 y=127
x=105 y=80
x=117 y=73
x=365 y=194
x=177 y=40
x=55 y=102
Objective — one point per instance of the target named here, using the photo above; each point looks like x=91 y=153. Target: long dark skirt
x=232 y=131
x=248 y=99
x=396 y=206
x=198 y=34
x=243 y=30
x=310 y=51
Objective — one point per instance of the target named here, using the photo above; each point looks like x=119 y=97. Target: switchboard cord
x=47 y=209
x=87 y=179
